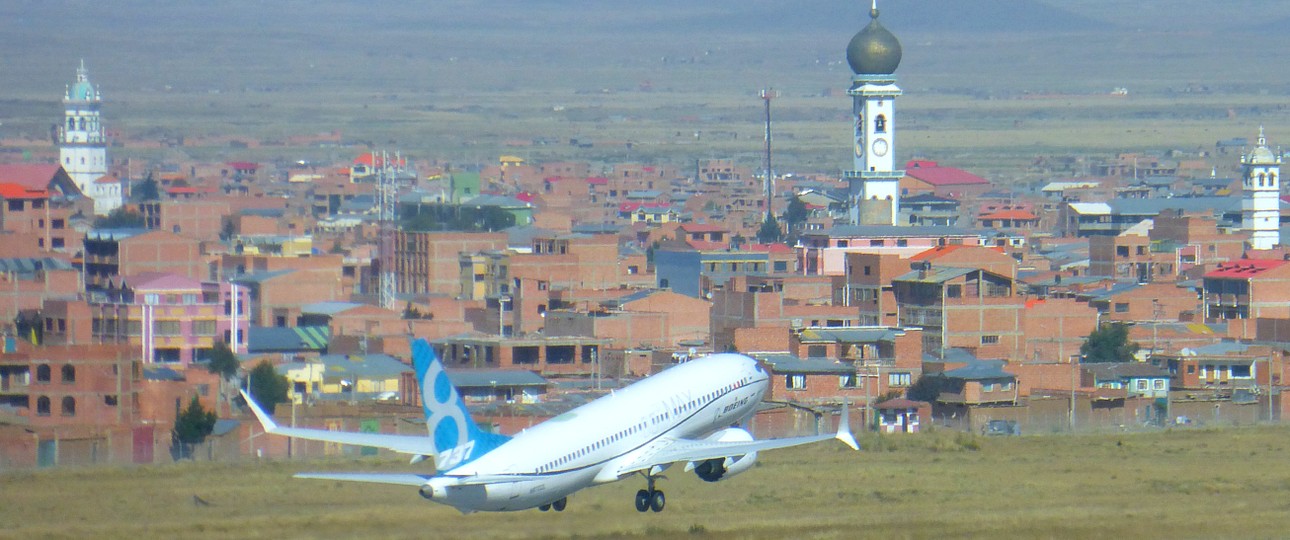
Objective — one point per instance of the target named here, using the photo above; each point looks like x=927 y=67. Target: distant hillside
x=770 y=17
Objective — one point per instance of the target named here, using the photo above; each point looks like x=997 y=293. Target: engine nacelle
x=712 y=470
x=433 y=492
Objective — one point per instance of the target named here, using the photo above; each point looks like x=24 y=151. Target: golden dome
x=874 y=50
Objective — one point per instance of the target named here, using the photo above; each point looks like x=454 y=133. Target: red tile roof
x=930 y=172
x=704 y=245
x=1243 y=268
x=940 y=251
x=15 y=191
x=28 y=175
x=1021 y=215
x=769 y=248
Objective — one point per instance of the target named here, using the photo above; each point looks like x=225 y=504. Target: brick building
x=112 y=253
x=429 y=262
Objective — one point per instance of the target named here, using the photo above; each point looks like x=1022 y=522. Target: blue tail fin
x=457 y=440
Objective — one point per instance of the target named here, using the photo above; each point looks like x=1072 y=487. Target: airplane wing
x=419 y=445
x=667 y=450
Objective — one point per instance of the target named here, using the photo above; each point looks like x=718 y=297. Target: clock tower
x=874 y=182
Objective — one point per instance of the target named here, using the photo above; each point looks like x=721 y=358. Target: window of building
x=989 y=340
x=844 y=243
x=876 y=243
x=42 y=406
x=69 y=406
x=1191 y=370
x=795 y=382
x=1158 y=384
x=167 y=328
x=57 y=243
x=204 y=328
x=1141 y=384
x=69 y=374
x=43 y=373
x=987 y=387
x=847 y=381
x=1122 y=251
x=868 y=270
x=1121 y=307
x=898 y=379
x=880 y=124
x=816 y=351
x=781 y=266
x=109 y=400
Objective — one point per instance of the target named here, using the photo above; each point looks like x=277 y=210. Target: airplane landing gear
x=558 y=505
x=650 y=498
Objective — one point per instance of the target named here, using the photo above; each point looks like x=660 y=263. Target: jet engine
x=712 y=470
x=433 y=492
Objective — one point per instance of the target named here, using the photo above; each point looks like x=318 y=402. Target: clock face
x=880 y=147
x=860 y=147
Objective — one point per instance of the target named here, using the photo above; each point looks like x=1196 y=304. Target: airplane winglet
x=844 y=427
x=266 y=421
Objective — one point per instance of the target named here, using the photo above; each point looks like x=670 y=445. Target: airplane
x=688 y=414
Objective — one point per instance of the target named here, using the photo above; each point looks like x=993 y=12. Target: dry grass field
x=1231 y=483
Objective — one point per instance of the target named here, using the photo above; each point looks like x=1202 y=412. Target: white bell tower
x=82 y=145
x=874 y=182
x=1261 y=204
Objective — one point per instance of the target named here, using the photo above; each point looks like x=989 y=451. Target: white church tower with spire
x=83 y=147
x=1261 y=205
x=874 y=182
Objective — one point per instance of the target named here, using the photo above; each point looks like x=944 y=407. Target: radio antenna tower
x=387 y=201
x=768 y=181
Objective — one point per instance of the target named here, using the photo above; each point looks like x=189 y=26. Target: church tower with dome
x=874 y=182
x=1261 y=205
x=82 y=146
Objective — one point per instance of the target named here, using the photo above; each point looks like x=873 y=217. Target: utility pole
x=768 y=183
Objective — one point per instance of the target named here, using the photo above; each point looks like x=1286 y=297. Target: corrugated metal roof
x=938 y=274
x=276 y=339
x=468 y=378
x=787 y=363
x=849 y=335
x=980 y=370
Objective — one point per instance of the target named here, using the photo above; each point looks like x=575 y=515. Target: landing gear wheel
x=657 y=501
x=544 y=507
x=559 y=505
x=642 y=500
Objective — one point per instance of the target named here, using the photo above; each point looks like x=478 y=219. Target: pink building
x=171 y=318
x=824 y=252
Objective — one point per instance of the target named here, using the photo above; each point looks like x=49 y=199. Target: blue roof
x=260 y=277
x=468 y=378
x=327 y=308
x=980 y=370
x=787 y=363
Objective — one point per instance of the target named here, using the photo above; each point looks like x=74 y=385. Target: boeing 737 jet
x=687 y=414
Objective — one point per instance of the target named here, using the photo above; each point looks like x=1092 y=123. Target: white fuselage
x=565 y=453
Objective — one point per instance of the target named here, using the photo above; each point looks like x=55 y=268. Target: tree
x=769 y=231
x=223 y=361
x=927 y=388
x=192 y=426
x=1109 y=343
x=121 y=218
x=796 y=213
x=146 y=190
x=267 y=387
